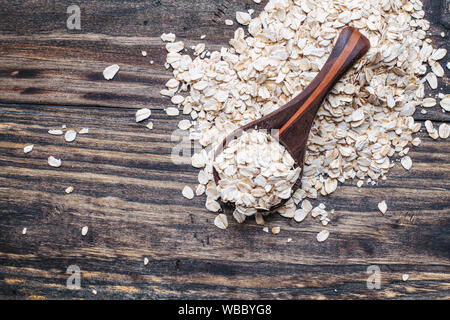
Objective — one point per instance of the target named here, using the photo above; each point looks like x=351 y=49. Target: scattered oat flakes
x=94 y=292
x=406 y=162
x=300 y=215
x=432 y=132
x=221 y=221
x=298 y=196
x=69 y=189
x=24 y=231
x=145 y=261
x=239 y=217
x=382 y=206
x=317 y=211
x=188 y=192
x=330 y=186
x=289 y=239
x=432 y=80
x=437 y=69
x=173 y=84
x=288 y=210
x=144 y=53
x=266 y=229
x=168 y=37
x=200 y=190
x=70 y=135
x=212 y=205
x=172 y=111
x=177 y=99
x=429 y=102
x=439 y=54
x=405 y=277
x=199 y=48
x=28 y=148
x=203 y=177
x=276 y=230
x=84 y=131
x=229 y=22
x=53 y=162
x=110 y=71
x=149 y=125
x=429 y=126
x=357 y=115
x=322 y=235
x=184 y=124
x=174 y=47
x=416 y=142
x=84 y=230
x=143 y=114
x=306 y=205
x=203 y=36
x=243 y=18
x=259 y=218
x=444 y=131
x=445 y=103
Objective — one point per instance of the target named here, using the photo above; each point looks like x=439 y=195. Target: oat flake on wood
x=366 y=119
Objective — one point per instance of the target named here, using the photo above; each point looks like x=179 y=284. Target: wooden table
x=128 y=192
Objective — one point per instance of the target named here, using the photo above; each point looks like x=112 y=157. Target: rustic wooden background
x=129 y=193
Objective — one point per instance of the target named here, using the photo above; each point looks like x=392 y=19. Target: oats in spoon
x=256 y=172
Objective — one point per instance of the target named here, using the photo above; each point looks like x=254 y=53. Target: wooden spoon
x=292 y=122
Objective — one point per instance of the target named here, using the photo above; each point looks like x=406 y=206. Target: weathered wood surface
x=128 y=191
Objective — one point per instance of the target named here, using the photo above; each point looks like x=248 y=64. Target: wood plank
x=128 y=191
x=62 y=66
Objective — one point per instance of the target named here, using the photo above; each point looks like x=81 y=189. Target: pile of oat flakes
x=365 y=120
x=256 y=173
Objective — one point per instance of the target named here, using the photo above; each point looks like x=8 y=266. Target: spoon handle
x=350 y=46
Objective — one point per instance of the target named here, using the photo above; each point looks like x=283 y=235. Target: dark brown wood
x=128 y=191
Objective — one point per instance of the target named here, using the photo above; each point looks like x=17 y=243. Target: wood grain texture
x=128 y=191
